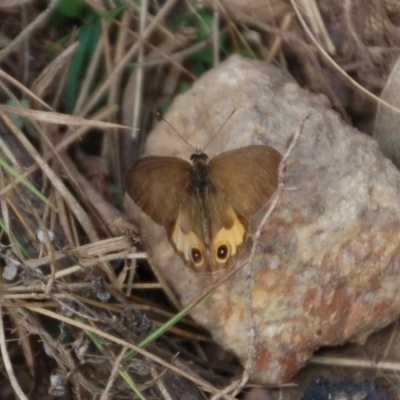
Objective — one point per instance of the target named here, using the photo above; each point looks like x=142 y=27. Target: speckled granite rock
x=327 y=268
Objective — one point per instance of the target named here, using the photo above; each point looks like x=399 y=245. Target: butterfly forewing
x=159 y=185
x=247 y=176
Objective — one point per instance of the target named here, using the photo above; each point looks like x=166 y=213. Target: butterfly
x=205 y=205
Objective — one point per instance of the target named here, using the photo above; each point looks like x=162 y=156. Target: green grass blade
x=25 y=182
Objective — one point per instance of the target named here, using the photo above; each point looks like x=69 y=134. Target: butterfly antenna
x=159 y=115
x=219 y=130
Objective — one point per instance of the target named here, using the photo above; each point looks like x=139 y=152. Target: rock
x=321 y=388
x=387 y=120
x=327 y=265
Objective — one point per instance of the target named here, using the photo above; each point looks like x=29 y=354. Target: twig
x=53 y=117
x=63 y=144
x=335 y=65
x=138 y=101
x=215 y=34
x=113 y=375
x=7 y=362
x=237 y=386
x=310 y=8
x=27 y=32
x=58 y=184
x=205 y=385
x=277 y=42
x=354 y=363
x=165 y=9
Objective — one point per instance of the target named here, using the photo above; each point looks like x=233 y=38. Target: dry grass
x=74 y=285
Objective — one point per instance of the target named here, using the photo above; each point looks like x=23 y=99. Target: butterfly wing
x=186 y=236
x=207 y=233
x=228 y=232
x=159 y=185
x=247 y=176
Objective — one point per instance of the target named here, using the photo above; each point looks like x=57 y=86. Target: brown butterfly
x=204 y=205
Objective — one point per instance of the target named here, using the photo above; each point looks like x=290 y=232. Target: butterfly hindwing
x=185 y=233
x=228 y=232
x=207 y=233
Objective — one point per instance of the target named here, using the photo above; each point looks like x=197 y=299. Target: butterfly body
x=205 y=206
x=200 y=174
